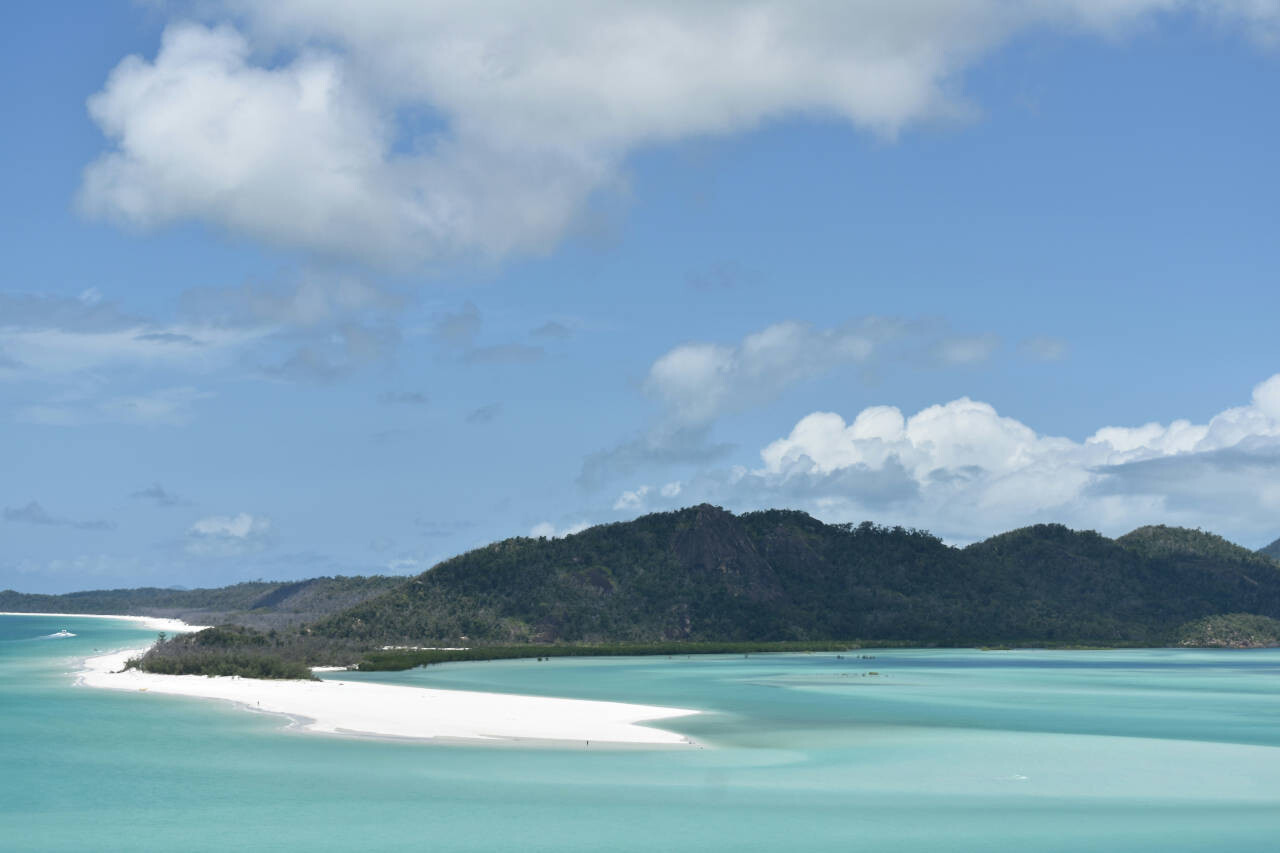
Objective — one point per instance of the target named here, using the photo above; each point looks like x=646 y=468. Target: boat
x=63 y=633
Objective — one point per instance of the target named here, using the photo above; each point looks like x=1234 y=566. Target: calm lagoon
x=937 y=750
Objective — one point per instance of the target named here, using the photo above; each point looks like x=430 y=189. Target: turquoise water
x=941 y=750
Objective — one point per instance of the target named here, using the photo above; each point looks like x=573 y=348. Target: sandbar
x=390 y=710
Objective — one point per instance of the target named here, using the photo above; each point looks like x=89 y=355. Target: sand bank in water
x=390 y=710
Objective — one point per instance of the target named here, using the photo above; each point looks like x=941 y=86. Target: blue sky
x=310 y=288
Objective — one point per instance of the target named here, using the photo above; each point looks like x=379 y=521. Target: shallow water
x=940 y=750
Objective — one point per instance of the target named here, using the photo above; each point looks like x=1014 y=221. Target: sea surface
x=912 y=750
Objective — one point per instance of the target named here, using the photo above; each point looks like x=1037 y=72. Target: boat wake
x=58 y=635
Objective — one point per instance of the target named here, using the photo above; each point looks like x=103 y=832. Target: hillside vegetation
x=1232 y=630
x=260 y=604
x=703 y=575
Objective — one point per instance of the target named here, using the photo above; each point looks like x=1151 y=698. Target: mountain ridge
x=703 y=574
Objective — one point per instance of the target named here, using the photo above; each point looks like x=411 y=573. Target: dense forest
x=704 y=575
x=1272 y=550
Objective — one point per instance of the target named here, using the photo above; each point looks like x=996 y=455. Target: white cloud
x=965 y=471
x=701 y=381
x=632 y=500
x=228 y=535
x=550 y=531
x=698 y=382
x=971 y=470
x=517 y=112
x=637 y=500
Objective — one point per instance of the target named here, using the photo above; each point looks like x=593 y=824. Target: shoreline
x=159 y=623
x=391 y=711
x=402 y=712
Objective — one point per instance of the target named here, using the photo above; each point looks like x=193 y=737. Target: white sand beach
x=158 y=623
x=389 y=710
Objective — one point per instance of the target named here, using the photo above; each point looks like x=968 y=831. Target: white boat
x=63 y=633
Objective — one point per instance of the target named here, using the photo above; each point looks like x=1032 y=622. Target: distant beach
x=159 y=623
x=387 y=710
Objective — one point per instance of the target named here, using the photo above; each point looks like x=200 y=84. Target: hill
x=258 y=604
x=1272 y=550
x=704 y=578
x=1232 y=630
x=704 y=574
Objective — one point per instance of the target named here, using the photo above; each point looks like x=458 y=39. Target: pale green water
x=945 y=750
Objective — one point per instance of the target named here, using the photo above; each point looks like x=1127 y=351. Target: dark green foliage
x=1272 y=550
x=1157 y=540
x=224 y=650
x=1232 y=630
x=681 y=580
x=703 y=574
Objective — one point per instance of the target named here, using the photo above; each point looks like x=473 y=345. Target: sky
x=315 y=287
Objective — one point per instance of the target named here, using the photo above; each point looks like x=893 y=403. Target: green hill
x=703 y=574
x=260 y=604
x=1272 y=550
x=1232 y=630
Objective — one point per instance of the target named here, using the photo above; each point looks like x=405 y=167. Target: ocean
x=904 y=750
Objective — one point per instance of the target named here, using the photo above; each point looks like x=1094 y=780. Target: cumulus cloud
x=228 y=535
x=697 y=383
x=632 y=500
x=34 y=513
x=965 y=471
x=635 y=499
x=550 y=531
x=402 y=132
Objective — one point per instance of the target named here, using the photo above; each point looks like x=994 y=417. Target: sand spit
x=157 y=623
x=391 y=710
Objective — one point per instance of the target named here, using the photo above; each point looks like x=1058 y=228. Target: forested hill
x=261 y=604
x=1272 y=550
x=705 y=574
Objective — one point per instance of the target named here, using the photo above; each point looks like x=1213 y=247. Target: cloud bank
x=699 y=382
x=965 y=471
x=403 y=132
